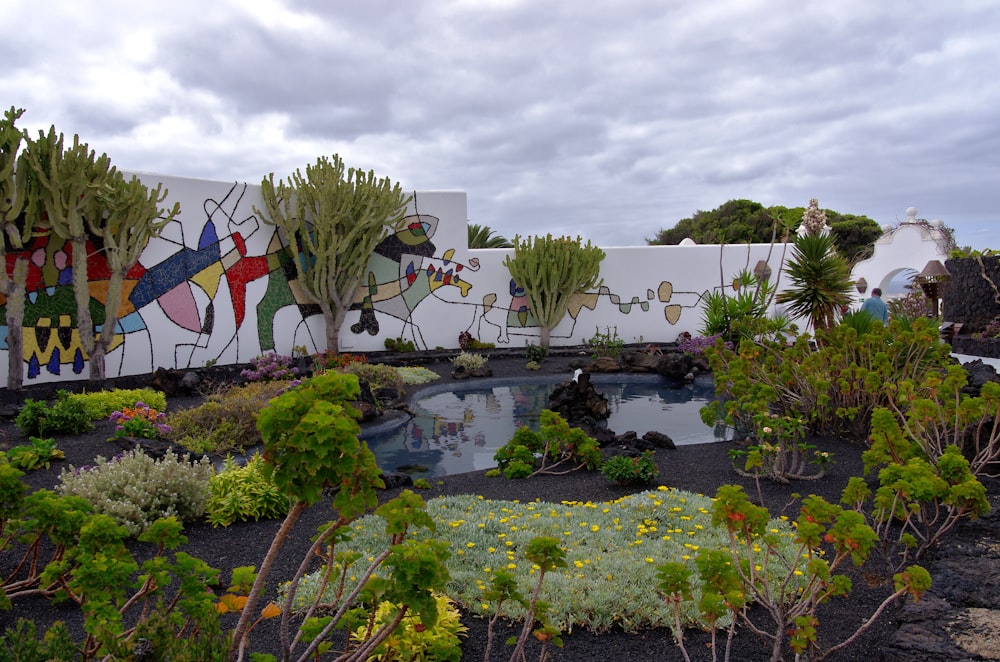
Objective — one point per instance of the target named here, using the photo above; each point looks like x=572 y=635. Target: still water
x=459 y=429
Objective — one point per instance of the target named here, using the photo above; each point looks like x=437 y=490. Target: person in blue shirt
x=875 y=307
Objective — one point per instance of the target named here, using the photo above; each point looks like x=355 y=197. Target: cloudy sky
x=606 y=119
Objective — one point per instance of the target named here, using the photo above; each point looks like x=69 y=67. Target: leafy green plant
x=819 y=281
x=377 y=375
x=532 y=365
x=789 y=585
x=331 y=360
x=412 y=640
x=422 y=484
x=244 y=493
x=412 y=375
x=625 y=470
x=742 y=313
x=65 y=416
x=834 y=386
x=781 y=454
x=400 y=345
x=537 y=353
x=311 y=445
x=555 y=449
x=135 y=489
x=468 y=361
x=101 y=404
x=37 y=454
x=226 y=421
x=606 y=345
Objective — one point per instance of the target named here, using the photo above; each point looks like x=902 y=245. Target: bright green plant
x=606 y=345
x=920 y=497
x=244 y=493
x=742 y=313
x=625 y=470
x=37 y=454
x=377 y=375
x=551 y=270
x=835 y=386
x=412 y=640
x=555 y=449
x=64 y=416
x=789 y=585
x=101 y=404
x=468 y=361
x=819 y=281
x=422 y=484
x=310 y=445
x=135 y=489
x=936 y=413
x=532 y=365
x=546 y=554
x=226 y=421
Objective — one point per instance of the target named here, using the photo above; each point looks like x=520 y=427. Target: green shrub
x=226 y=421
x=536 y=353
x=19 y=643
x=607 y=344
x=468 y=361
x=65 y=416
x=556 y=448
x=36 y=455
x=400 y=345
x=412 y=639
x=378 y=375
x=136 y=490
x=625 y=470
x=101 y=404
x=244 y=493
x=416 y=375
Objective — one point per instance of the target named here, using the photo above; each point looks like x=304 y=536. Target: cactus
x=551 y=270
x=331 y=226
x=84 y=196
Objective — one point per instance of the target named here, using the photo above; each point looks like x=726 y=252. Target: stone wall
x=972 y=298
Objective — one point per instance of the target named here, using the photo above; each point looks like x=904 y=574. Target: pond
x=458 y=428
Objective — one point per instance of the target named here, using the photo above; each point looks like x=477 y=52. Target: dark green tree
x=483 y=236
x=745 y=221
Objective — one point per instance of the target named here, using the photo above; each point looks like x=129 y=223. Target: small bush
x=270 y=367
x=536 y=353
x=135 y=490
x=226 y=421
x=469 y=362
x=607 y=344
x=532 y=365
x=412 y=640
x=378 y=375
x=547 y=451
x=65 y=416
x=140 y=421
x=244 y=493
x=101 y=404
x=35 y=455
x=697 y=344
x=625 y=470
x=417 y=375
x=400 y=345
x=330 y=360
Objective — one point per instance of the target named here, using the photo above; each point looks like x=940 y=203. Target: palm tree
x=482 y=236
x=820 y=281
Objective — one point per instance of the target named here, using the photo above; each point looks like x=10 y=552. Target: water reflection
x=459 y=430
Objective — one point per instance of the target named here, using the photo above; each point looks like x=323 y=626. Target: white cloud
x=561 y=116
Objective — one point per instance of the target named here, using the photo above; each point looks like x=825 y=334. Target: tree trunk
x=14 y=291
x=546 y=336
x=81 y=291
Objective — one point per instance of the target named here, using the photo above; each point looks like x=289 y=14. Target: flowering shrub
x=269 y=367
x=141 y=421
x=330 y=360
x=697 y=344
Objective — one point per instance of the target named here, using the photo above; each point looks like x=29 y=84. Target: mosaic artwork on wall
x=218 y=287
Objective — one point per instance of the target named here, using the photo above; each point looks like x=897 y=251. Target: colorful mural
x=219 y=287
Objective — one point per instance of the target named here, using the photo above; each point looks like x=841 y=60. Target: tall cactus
x=124 y=217
x=15 y=230
x=331 y=226
x=551 y=270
